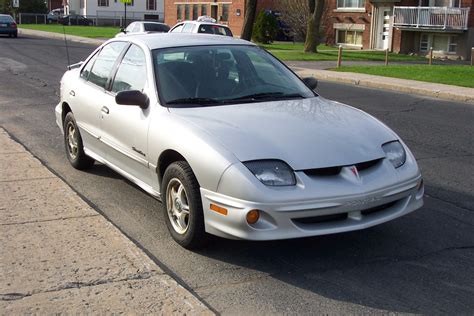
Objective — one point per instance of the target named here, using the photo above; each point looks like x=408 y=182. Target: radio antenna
x=67 y=48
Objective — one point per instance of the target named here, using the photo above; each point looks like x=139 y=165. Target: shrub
x=265 y=28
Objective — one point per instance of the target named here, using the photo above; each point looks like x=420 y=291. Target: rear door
x=87 y=99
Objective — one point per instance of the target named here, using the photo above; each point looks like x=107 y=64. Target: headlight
x=395 y=153
x=272 y=172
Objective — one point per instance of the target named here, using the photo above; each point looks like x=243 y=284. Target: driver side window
x=131 y=74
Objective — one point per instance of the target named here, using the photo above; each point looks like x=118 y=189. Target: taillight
x=13 y=24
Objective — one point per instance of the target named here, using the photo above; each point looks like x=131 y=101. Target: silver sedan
x=232 y=141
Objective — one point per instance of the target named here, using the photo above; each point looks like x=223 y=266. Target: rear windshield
x=214 y=29
x=6 y=18
x=151 y=27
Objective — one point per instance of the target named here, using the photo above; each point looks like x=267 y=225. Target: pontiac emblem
x=354 y=171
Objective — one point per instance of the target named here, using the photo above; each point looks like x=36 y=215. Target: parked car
x=232 y=141
x=206 y=25
x=141 y=27
x=54 y=15
x=8 y=25
x=74 y=19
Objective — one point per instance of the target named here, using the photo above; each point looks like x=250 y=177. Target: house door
x=214 y=11
x=384 y=39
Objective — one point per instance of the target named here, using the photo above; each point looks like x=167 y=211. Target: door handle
x=105 y=110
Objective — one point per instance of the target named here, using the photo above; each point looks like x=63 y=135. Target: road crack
x=77 y=285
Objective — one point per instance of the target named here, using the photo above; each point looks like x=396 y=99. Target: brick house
x=229 y=12
x=403 y=26
x=54 y=4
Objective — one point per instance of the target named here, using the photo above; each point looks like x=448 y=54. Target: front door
x=125 y=127
x=214 y=11
x=384 y=27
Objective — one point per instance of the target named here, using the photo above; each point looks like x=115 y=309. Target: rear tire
x=73 y=144
x=182 y=206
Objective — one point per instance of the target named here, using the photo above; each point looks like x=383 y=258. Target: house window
x=225 y=13
x=195 y=11
x=453 y=44
x=103 y=3
x=186 y=11
x=349 y=37
x=350 y=4
x=204 y=9
x=151 y=5
x=179 y=12
x=424 y=42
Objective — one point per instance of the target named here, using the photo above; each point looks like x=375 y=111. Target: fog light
x=253 y=216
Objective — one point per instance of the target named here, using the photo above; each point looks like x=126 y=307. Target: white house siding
x=116 y=8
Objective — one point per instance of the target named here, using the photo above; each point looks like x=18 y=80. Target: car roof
x=202 y=22
x=6 y=15
x=149 y=22
x=165 y=40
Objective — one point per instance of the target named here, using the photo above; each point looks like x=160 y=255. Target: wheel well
x=167 y=158
x=65 y=111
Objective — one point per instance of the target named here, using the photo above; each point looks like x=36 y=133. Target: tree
x=295 y=14
x=316 y=8
x=265 y=28
x=5 y=7
x=250 y=12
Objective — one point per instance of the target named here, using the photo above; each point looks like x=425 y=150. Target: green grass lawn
x=85 y=31
x=294 y=51
x=448 y=74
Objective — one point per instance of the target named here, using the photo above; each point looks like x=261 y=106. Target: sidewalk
x=58 y=255
x=305 y=69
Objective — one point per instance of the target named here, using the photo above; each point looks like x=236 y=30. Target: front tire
x=73 y=144
x=182 y=206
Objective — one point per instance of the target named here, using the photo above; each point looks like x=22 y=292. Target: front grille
x=321 y=218
x=334 y=218
x=378 y=208
x=334 y=171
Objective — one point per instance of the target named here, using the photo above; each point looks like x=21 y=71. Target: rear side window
x=131 y=74
x=87 y=68
x=104 y=63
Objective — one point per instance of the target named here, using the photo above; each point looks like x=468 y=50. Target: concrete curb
x=60 y=36
x=59 y=256
x=440 y=91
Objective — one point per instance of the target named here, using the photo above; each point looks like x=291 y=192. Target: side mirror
x=122 y=30
x=311 y=82
x=132 y=97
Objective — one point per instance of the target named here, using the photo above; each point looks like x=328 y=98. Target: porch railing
x=445 y=18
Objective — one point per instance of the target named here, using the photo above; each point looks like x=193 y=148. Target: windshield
x=214 y=29
x=217 y=75
x=152 y=27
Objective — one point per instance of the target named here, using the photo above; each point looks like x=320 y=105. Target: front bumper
x=311 y=217
x=58 y=112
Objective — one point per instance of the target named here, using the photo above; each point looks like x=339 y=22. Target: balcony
x=433 y=18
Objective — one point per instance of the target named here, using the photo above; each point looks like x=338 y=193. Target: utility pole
x=125 y=2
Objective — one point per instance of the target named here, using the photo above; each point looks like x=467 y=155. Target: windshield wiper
x=201 y=101
x=269 y=96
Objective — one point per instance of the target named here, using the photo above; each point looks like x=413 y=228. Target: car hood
x=307 y=133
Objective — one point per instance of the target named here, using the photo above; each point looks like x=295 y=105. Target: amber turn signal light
x=253 y=216
x=218 y=209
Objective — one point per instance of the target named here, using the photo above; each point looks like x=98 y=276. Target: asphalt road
x=421 y=263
